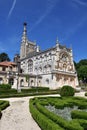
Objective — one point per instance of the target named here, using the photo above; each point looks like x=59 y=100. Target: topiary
x=67 y=91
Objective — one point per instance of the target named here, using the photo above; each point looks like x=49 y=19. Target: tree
x=82 y=72
x=4 y=57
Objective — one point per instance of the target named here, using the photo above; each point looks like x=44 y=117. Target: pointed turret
x=57 y=44
x=57 y=41
x=24 y=37
x=24 y=42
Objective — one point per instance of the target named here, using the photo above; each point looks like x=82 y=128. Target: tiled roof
x=6 y=63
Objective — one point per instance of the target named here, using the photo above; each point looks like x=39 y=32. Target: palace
x=51 y=68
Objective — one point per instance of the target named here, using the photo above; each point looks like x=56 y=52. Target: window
x=30 y=65
x=11 y=81
x=1 y=80
x=47 y=81
x=3 y=69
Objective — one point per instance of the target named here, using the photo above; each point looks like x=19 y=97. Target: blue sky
x=47 y=20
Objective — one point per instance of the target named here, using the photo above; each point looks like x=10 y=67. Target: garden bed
x=55 y=121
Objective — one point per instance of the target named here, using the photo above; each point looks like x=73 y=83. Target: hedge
x=35 y=89
x=26 y=94
x=79 y=114
x=5 y=86
x=0 y=114
x=42 y=120
x=85 y=94
x=59 y=120
x=74 y=124
x=3 y=105
x=67 y=91
x=8 y=91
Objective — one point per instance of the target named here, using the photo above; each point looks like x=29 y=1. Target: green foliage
x=5 y=86
x=43 y=121
x=38 y=105
x=35 y=89
x=85 y=94
x=0 y=114
x=81 y=68
x=82 y=72
x=21 y=94
x=67 y=91
x=3 y=105
x=4 y=57
x=79 y=114
x=7 y=91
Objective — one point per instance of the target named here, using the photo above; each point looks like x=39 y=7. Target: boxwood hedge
x=3 y=105
x=78 y=122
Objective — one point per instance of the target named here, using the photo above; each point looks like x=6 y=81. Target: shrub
x=67 y=91
x=43 y=121
x=5 y=86
x=35 y=89
x=3 y=104
x=79 y=114
x=58 y=120
x=0 y=114
x=7 y=91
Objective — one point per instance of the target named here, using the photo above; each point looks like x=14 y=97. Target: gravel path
x=17 y=115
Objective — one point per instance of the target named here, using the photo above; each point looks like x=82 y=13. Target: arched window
x=11 y=81
x=47 y=81
x=22 y=83
x=1 y=81
x=30 y=65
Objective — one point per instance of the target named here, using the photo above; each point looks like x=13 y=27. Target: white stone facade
x=52 y=68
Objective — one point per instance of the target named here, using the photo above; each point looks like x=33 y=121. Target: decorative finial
x=57 y=41
x=25 y=24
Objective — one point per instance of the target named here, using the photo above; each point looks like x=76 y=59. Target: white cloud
x=50 y=5
x=12 y=8
x=75 y=28
x=80 y=2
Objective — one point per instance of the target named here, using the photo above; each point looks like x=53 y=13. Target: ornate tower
x=24 y=42
x=26 y=45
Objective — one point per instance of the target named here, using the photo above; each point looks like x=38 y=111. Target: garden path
x=17 y=115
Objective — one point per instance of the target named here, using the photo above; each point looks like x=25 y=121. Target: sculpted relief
x=64 y=62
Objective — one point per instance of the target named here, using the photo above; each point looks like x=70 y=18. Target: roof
x=7 y=63
x=34 y=53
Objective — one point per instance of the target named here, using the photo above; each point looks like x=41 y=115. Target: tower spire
x=25 y=30
x=57 y=41
x=24 y=36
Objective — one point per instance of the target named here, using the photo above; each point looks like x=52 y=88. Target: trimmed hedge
x=42 y=120
x=8 y=91
x=5 y=95
x=85 y=94
x=3 y=105
x=0 y=114
x=67 y=91
x=79 y=114
x=5 y=86
x=35 y=89
x=59 y=120
x=78 y=123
